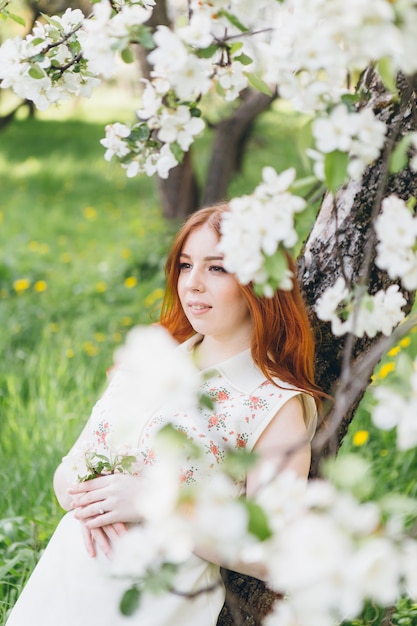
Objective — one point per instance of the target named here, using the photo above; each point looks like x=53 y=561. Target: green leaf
x=207 y=53
x=399 y=156
x=177 y=151
x=335 y=169
x=130 y=601
x=275 y=265
x=140 y=133
x=238 y=462
x=145 y=37
x=235 y=46
x=36 y=72
x=127 y=55
x=244 y=59
x=16 y=18
x=195 y=112
x=52 y=21
x=206 y=401
x=258 y=521
x=386 y=72
x=233 y=20
x=258 y=83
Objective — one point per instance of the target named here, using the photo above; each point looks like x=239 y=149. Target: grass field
x=82 y=250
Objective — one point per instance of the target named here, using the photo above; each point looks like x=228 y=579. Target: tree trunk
x=179 y=193
x=231 y=135
x=340 y=237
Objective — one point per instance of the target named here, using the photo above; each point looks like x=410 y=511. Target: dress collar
x=240 y=370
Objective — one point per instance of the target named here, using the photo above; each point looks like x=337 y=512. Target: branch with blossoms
x=325 y=544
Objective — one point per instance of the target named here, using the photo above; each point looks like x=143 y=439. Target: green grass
x=82 y=250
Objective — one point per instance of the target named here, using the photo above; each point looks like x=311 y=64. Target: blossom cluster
x=358 y=133
x=315 y=44
x=66 y=56
x=396 y=229
x=360 y=314
x=321 y=546
x=257 y=227
x=396 y=407
x=329 y=554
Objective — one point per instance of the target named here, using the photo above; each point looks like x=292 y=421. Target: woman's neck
x=209 y=352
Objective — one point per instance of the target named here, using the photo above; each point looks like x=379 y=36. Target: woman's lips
x=199 y=308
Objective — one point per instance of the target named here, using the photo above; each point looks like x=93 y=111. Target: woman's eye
x=217 y=268
x=184 y=266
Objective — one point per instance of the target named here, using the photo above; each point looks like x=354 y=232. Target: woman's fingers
x=88 y=540
x=102 y=541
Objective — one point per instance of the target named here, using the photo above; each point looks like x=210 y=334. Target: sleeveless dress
x=69 y=588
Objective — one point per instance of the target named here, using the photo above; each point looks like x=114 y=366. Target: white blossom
x=256 y=225
x=179 y=126
x=114 y=140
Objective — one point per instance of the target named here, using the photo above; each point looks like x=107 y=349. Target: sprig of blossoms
x=258 y=229
x=359 y=134
x=369 y=315
x=89 y=461
x=66 y=56
x=396 y=229
x=323 y=547
x=330 y=554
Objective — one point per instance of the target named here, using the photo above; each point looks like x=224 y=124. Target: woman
x=256 y=361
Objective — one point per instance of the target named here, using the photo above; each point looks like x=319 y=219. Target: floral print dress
x=69 y=588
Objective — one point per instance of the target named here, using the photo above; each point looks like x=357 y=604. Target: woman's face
x=211 y=298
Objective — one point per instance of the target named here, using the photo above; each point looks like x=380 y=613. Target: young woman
x=256 y=359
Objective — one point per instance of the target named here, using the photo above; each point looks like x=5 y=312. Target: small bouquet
x=89 y=463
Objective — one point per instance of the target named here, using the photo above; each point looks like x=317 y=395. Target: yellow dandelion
x=386 y=369
x=90 y=348
x=40 y=286
x=101 y=286
x=126 y=320
x=90 y=213
x=125 y=253
x=69 y=353
x=117 y=337
x=130 y=282
x=383 y=452
x=33 y=246
x=405 y=342
x=360 y=437
x=65 y=257
x=394 y=351
x=154 y=296
x=99 y=337
x=21 y=284
x=53 y=327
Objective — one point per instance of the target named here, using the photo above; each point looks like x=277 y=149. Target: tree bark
x=337 y=244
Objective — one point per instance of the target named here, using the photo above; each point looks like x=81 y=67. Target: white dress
x=69 y=588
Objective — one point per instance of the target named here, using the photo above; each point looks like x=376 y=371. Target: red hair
x=282 y=342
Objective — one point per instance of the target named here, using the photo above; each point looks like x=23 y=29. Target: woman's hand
x=101 y=538
x=107 y=500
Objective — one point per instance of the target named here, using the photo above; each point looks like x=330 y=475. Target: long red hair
x=282 y=341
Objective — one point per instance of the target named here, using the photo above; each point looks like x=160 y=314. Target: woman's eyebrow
x=206 y=258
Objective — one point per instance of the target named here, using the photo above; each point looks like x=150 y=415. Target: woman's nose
x=195 y=280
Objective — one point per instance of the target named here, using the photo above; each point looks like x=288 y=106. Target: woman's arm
x=61 y=477
x=284 y=443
